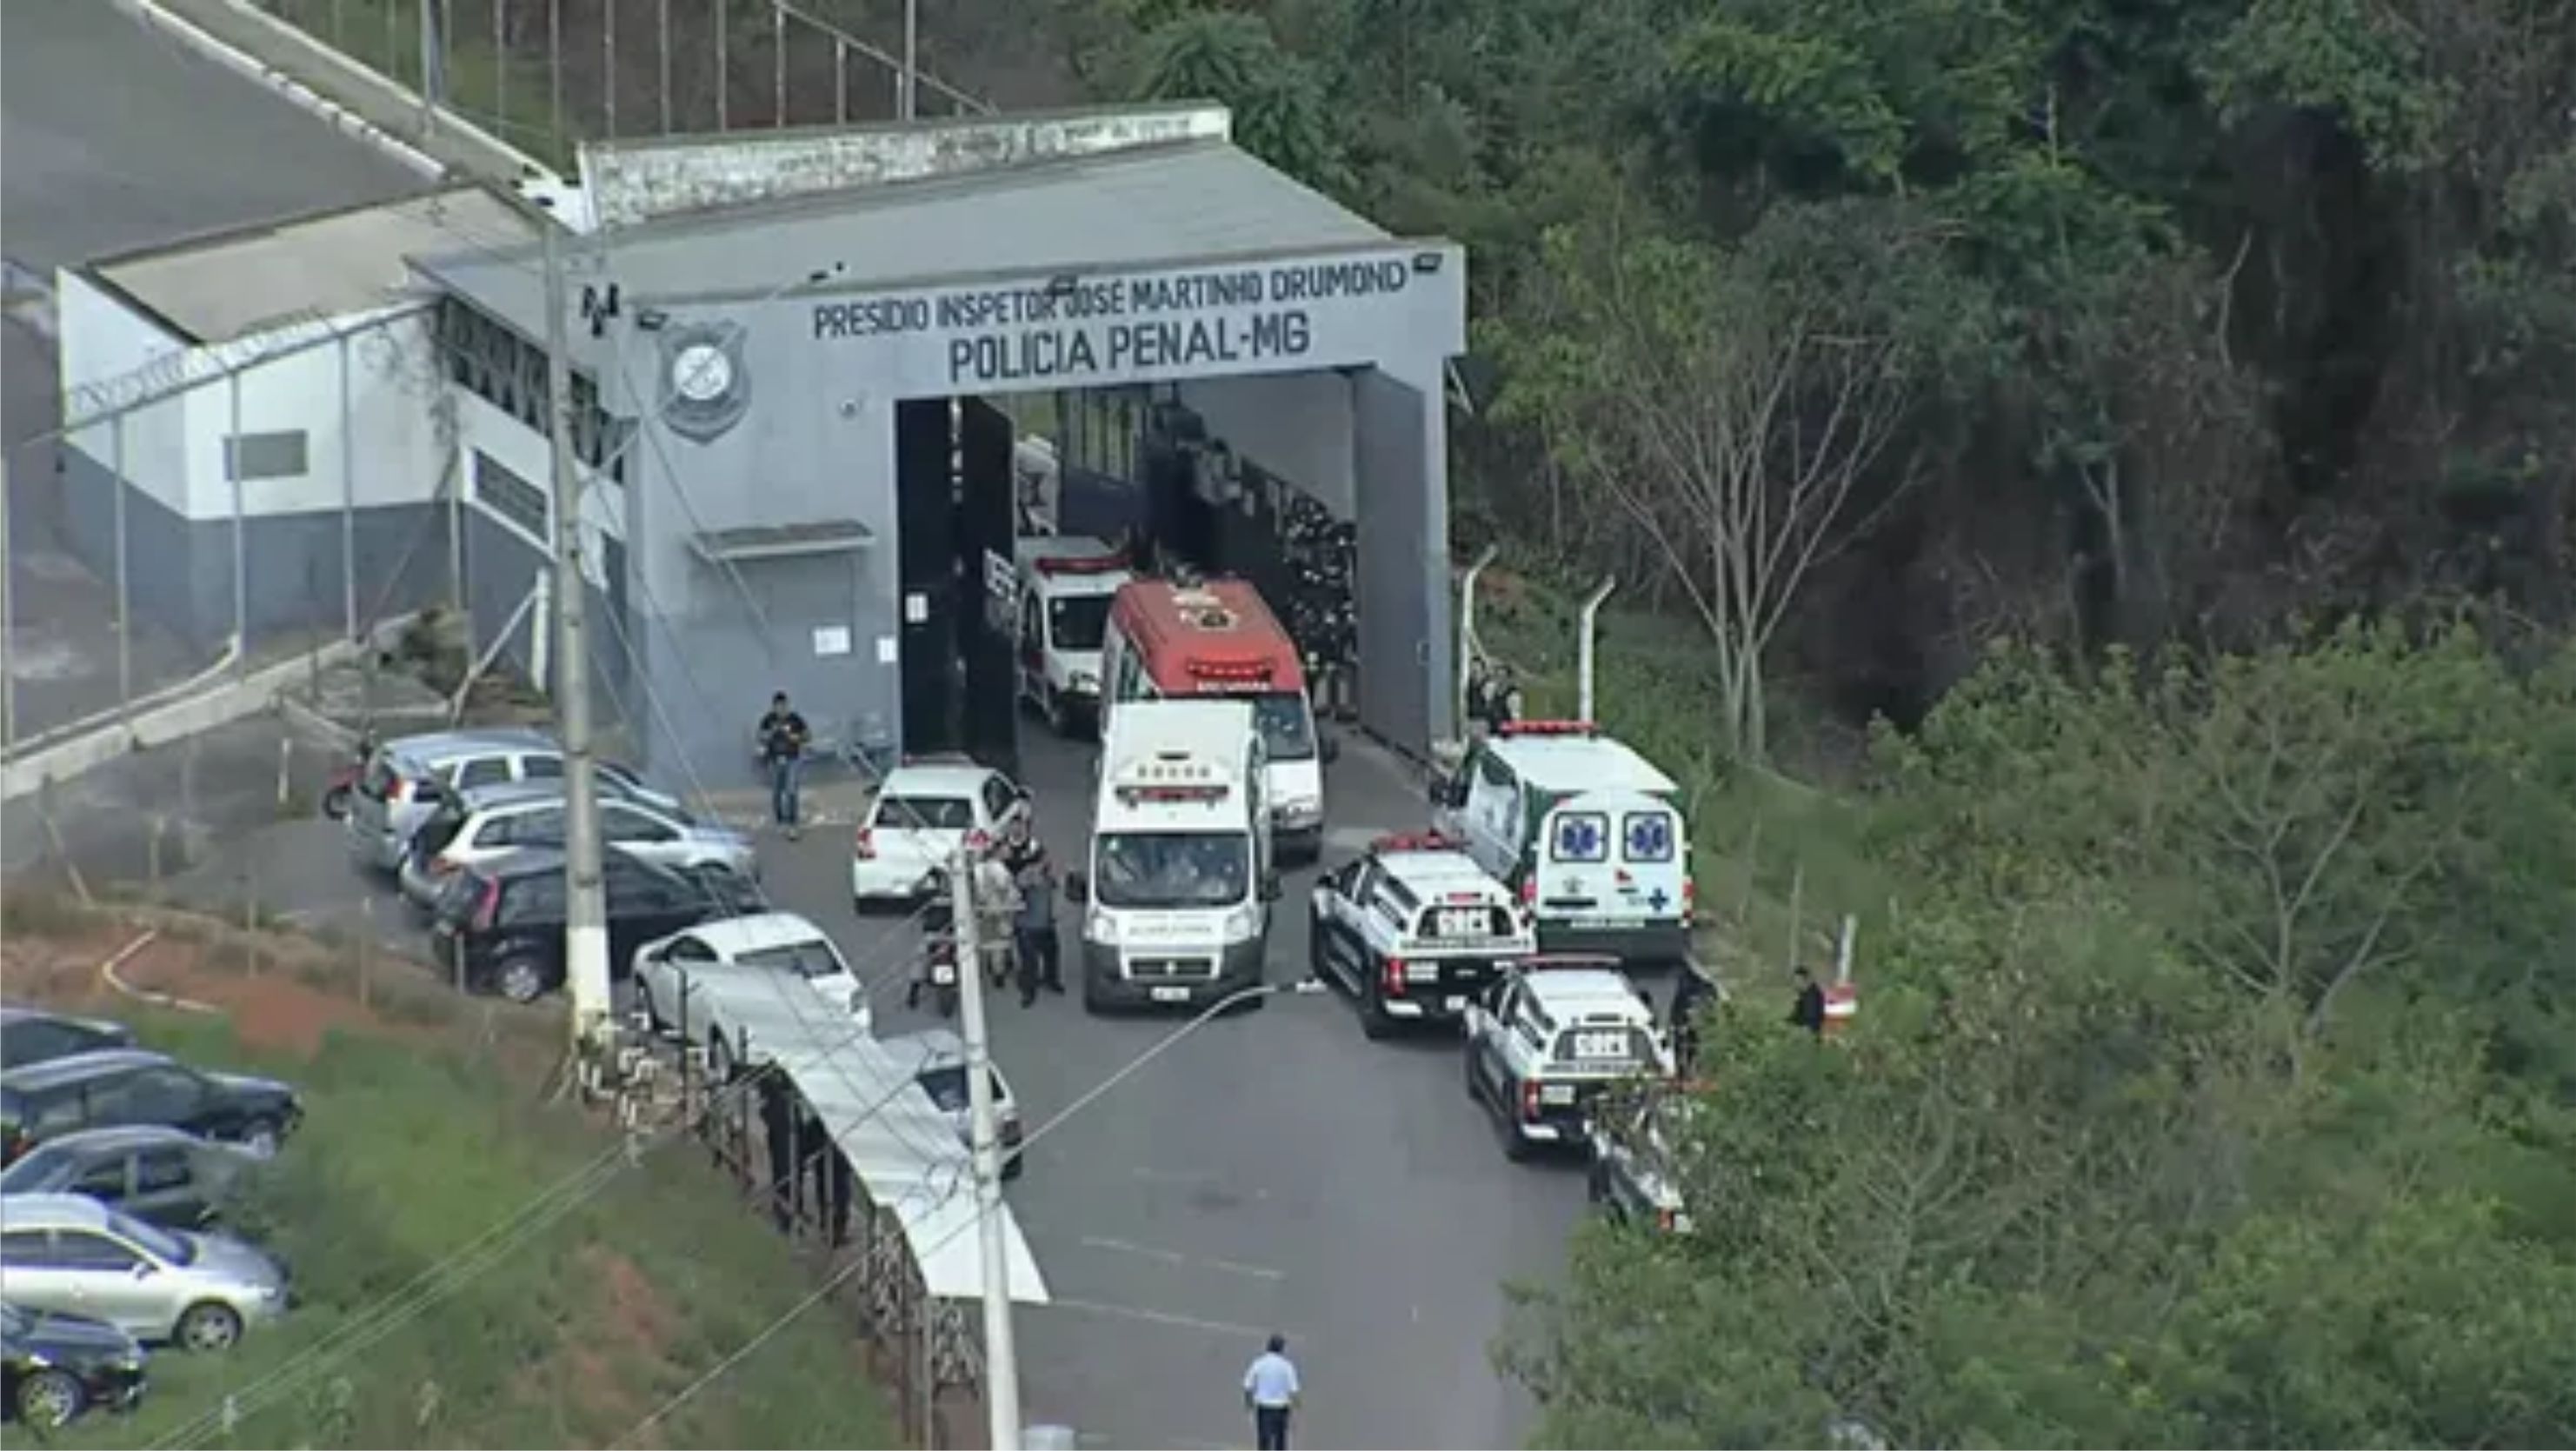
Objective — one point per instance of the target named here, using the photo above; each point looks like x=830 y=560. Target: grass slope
x=410 y=1153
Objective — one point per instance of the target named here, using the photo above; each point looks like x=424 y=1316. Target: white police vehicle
x=1415 y=930
x=1553 y=1035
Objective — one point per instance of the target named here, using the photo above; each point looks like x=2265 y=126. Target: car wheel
x=521 y=980
x=209 y=1326
x=1516 y=1147
x=1375 y=1025
x=51 y=1399
x=1475 y=1090
x=259 y=1138
x=1058 y=719
x=1094 y=1001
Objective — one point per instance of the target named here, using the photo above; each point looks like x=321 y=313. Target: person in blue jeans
x=782 y=737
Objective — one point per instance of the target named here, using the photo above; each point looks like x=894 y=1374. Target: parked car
x=164 y=1176
x=481 y=824
x=32 y=1035
x=405 y=780
x=55 y=1368
x=64 y=1253
x=926 y=810
x=500 y=925
x=747 y=984
x=130 y=1086
x=941 y=1072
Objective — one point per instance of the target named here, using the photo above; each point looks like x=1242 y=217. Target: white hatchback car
x=924 y=814
x=751 y=987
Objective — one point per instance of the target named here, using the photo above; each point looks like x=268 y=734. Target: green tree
x=1280 y=110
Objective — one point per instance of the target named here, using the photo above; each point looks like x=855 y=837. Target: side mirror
x=1270 y=886
x=1329 y=748
x=1077 y=888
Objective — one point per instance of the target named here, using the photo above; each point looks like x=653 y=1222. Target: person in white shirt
x=1270 y=1393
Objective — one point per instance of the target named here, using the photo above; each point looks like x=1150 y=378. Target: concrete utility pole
x=911 y=61
x=8 y=615
x=1001 y=1350
x=585 y=907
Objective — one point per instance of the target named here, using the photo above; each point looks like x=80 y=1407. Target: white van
x=1061 y=589
x=1176 y=905
x=1588 y=833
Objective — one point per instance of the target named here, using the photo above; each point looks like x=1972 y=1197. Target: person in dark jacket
x=1809 y=1013
x=1040 y=960
x=782 y=735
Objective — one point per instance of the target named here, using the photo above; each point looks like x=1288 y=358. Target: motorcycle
x=943 y=980
x=345 y=778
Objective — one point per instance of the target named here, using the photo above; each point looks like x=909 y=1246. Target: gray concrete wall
x=180 y=571
x=1403 y=583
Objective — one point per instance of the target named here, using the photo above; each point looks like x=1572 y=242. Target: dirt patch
x=608 y=1361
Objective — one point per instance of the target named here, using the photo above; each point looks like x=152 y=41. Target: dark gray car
x=32 y=1035
x=160 y=1175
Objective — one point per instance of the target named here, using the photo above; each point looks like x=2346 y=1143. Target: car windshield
x=1287 y=726
x=30 y=1175
x=925 y=813
x=946 y=1086
x=805 y=959
x=159 y=1243
x=1173 y=869
x=1078 y=623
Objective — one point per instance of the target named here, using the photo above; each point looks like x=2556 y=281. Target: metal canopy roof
x=332 y=264
x=1144 y=207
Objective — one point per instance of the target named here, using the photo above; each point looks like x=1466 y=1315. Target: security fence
x=220 y=510
x=545 y=75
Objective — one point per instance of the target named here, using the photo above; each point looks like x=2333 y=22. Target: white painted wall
x=393 y=384
x=524 y=451
x=109 y=352
x=1296 y=425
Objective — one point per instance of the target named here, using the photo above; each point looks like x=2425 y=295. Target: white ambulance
x=1176 y=904
x=1587 y=833
x=1060 y=593
x=1175 y=641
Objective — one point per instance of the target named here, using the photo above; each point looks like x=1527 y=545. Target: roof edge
x=248 y=231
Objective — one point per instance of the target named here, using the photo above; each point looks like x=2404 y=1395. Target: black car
x=32 y=1035
x=166 y=1176
x=54 y=1367
x=130 y=1086
x=500 y=925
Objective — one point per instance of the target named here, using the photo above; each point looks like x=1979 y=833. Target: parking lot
x=1273 y=1171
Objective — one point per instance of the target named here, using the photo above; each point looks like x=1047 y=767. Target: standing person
x=1270 y=1392
x=1810 y=1010
x=1039 y=965
x=782 y=737
x=1502 y=699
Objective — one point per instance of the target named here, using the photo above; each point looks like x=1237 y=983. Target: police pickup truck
x=1551 y=1036
x=1415 y=930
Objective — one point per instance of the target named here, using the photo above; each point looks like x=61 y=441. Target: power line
x=975 y=1221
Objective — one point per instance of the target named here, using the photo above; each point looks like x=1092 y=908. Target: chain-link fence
x=219 y=512
x=545 y=75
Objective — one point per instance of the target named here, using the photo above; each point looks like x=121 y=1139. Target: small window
x=1493 y=771
x=543 y=827
x=25 y=1248
x=102 y=1181
x=998 y=796
x=159 y=1170
x=164 y=1095
x=534 y=900
x=1647 y=836
x=544 y=768
x=484 y=771
x=624 y=823
x=79 y=1249
x=249 y=457
x=690 y=949
x=496 y=832
x=1580 y=836
x=503 y=492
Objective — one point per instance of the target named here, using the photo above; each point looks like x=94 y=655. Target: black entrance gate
x=987 y=533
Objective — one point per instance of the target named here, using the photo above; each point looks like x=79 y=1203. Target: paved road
x=112 y=138
x=1273 y=1171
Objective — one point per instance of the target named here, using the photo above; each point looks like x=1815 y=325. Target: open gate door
x=926 y=565
x=987 y=535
